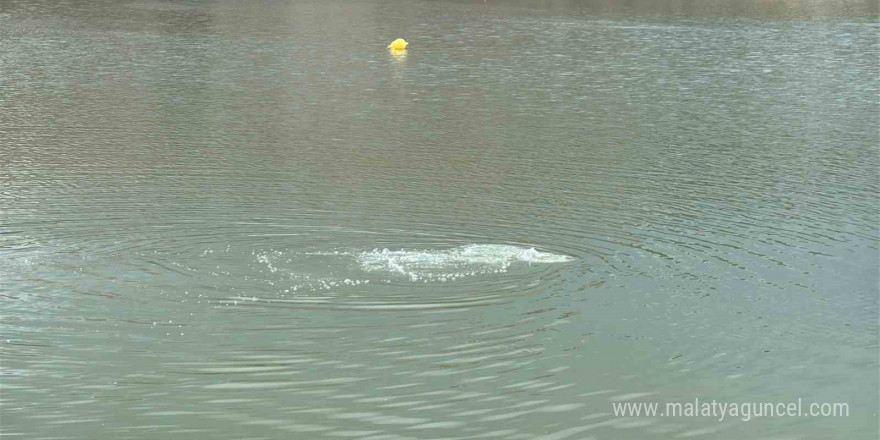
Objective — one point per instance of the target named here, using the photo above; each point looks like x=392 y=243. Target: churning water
x=249 y=220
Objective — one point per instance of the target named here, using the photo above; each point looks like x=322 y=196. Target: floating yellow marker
x=398 y=44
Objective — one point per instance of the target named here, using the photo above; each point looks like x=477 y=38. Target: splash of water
x=451 y=264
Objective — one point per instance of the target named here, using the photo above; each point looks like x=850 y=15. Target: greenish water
x=249 y=220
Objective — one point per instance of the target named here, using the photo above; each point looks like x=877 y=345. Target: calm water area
x=250 y=220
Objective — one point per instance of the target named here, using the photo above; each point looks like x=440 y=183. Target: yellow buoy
x=398 y=44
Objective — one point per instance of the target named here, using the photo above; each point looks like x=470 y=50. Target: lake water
x=249 y=220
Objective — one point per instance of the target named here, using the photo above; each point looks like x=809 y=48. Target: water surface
x=241 y=220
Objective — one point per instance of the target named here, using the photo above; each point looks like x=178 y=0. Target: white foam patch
x=452 y=264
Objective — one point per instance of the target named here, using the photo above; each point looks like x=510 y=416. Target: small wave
x=451 y=264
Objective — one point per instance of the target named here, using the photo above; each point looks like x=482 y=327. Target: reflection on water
x=230 y=220
x=399 y=55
